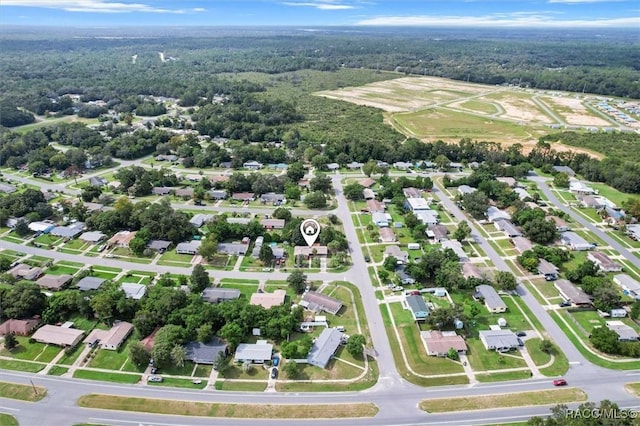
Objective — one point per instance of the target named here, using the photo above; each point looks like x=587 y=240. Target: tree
x=178 y=355
x=453 y=354
x=316 y=200
x=22 y=228
x=442 y=162
x=232 y=333
x=585 y=269
x=266 y=254
x=635 y=310
x=166 y=338
x=291 y=369
x=476 y=203
x=208 y=247
x=506 y=281
x=295 y=171
x=205 y=333
x=282 y=213
x=547 y=346
x=370 y=167
x=354 y=191
x=297 y=280
x=462 y=232
x=605 y=340
x=383 y=274
x=138 y=354
x=320 y=183
x=221 y=363
x=199 y=279
x=23 y=300
x=355 y=345
x=292 y=192
x=10 y=341
x=606 y=297
x=540 y=231
x=561 y=180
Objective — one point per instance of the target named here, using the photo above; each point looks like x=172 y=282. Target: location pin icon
x=310 y=229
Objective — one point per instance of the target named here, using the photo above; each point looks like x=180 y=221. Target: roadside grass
x=226 y=385
x=633 y=389
x=365 y=382
x=516 y=399
x=8 y=420
x=29 y=367
x=247 y=411
x=109 y=360
x=22 y=392
x=72 y=357
x=179 y=383
x=107 y=377
x=533 y=347
x=501 y=377
x=57 y=370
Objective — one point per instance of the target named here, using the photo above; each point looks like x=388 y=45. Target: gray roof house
x=380 y=219
x=217 y=294
x=218 y=194
x=324 y=347
x=575 y=241
x=69 y=231
x=368 y=194
x=317 y=302
x=134 y=291
x=508 y=228
x=494 y=214
x=6 y=188
x=438 y=232
x=466 y=189
x=400 y=255
x=522 y=244
x=92 y=237
x=628 y=285
x=418 y=307
x=625 y=333
x=97 y=181
x=272 y=197
x=457 y=249
x=205 y=353
x=255 y=353
x=548 y=269
x=159 y=245
x=499 y=340
x=161 y=190
x=571 y=293
x=189 y=247
x=565 y=169
x=233 y=248
x=199 y=219
x=89 y=283
x=604 y=262
x=492 y=299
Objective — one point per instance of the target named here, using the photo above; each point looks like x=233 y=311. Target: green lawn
x=7 y=420
x=109 y=360
x=240 y=386
x=61 y=270
x=506 y=376
x=107 y=377
x=612 y=194
x=57 y=370
x=484 y=360
x=29 y=367
x=31 y=351
x=71 y=358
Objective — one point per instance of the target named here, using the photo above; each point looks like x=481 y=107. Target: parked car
x=102 y=247
x=156 y=379
x=415 y=293
x=274 y=372
x=521 y=334
x=154 y=370
x=520 y=342
x=367 y=259
x=560 y=382
x=564 y=304
x=276 y=361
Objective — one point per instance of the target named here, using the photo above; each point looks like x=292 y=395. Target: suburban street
x=396 y=398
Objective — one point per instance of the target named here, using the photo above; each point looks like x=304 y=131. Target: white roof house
x=255 y=353
x=494 y=214
x=578 y=187
x=499 y=340
x=324 y=347
x=189 y=247
x=492 y=299
x=133 y=290
x=427 y=217
x=466 y=189
x=380 y=219
x=628 y=285
x=625 y=333
x=522 y=193
x=457 y=249
x=575 y=241
x=508 y=228
x=416 y=204
x=56 y=335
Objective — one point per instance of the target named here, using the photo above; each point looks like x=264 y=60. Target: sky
x=557 y=14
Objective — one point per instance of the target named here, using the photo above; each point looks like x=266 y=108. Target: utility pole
x=35 y=390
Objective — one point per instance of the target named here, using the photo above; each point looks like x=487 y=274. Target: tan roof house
x=53 y=282
x=121 y=239
x=267 y=300
x=110 y=339
x=56 y=335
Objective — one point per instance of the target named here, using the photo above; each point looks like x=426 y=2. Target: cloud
x=321 y=4
x=94 y=6
x=515 y=20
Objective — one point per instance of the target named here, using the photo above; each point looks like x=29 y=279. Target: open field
x=246 y=411
x=438 y=108
x=517 y=399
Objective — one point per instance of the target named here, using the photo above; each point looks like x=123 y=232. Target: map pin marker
x=310 y=229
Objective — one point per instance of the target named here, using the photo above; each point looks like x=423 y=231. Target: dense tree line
x=29 y=203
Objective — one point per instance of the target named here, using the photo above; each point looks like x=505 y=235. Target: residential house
x=380 y=219
x=252 y=165
x=572 y=294
x=457 y=249
x=629 y=286
x=494 y=214
x=25 y=272
x=7 y=189
x=561 y=225
x=508 y=228
x=368 y=194
x=523 y=194
x=404 y=277
x=522 y=244
x=308 y=252
x=97 y=181
x=548 y=269
x=133 y=291
x=575 y=242
x=111 y=339
x=19 y=327
x=401 y=256
x=333 y=166
x=416 y=204
x=317 y=302
x=387 y=235
x=565 y=169
x=69 y=231
x=218 y=294
x=272 y=223
x=54 y=282
x=375 y=206
x=367 y=182
x=58 y=335
x=427 y=217
x=243 y=196
x=161 y=190
x=199 y=219
x=465 y=189
x=89 y=283
x=92 y=237
x=166 y=157
x=469 y=270
x=239 y=220
x=218 y=194
x=233 y=249
x=418 y=307
x=499 y=340
x=255 y=353
x=401 y=165
x=121 y=239
x=625 y=333
x=438 y=343
x=205 y=353
x=591 y=202
x=183 y=192
x=354 y=165
x=268 y=300
x=273 y=198
x=439 y=233
x=491 y=298
x=580 y=188
x=159 y=246
x=324 y=347
x=614 y=217
x=189 y=247
x=633 y=231
x=618 y=313
x=603 y=262
x=511 y=182
x=412 y=192
x=41 y=226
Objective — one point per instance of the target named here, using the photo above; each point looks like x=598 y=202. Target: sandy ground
x=580 y=115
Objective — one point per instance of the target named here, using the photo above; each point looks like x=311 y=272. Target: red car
x=559 y=382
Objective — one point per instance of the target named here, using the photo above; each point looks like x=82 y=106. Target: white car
x=156 y=379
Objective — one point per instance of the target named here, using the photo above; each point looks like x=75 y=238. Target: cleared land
x=504 y=400
x=205 y=409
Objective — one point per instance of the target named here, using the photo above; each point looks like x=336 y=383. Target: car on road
x=274 y=373
x=521 y=334
x=560 y=382
x=156 y=379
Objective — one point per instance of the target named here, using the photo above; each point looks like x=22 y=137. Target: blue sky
x=466 y=13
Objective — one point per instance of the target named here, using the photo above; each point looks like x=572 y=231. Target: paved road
x=586 y=223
